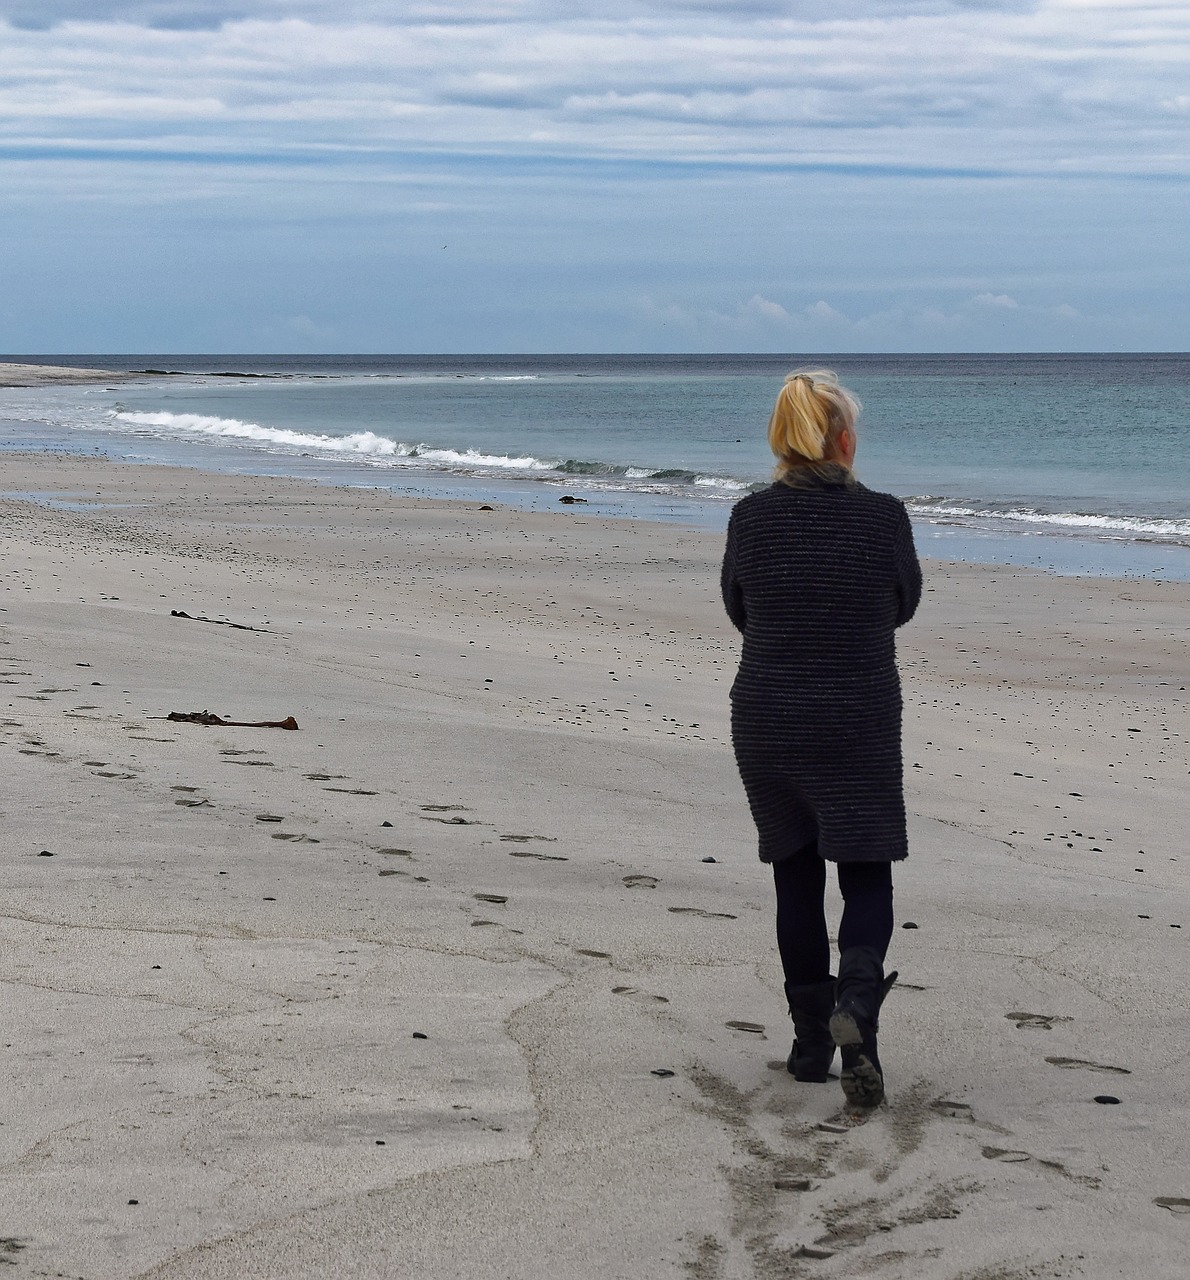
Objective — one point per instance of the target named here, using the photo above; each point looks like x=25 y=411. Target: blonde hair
x=811 y=412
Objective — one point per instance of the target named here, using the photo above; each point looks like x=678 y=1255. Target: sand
x=390 y=995
x=53 y=375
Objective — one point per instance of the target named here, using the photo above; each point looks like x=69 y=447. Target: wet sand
x=399 y=993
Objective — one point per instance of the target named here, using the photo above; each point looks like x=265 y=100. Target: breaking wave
x=371 y=448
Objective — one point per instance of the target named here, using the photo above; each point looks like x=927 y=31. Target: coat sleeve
x=733 y=593
x=907 y=570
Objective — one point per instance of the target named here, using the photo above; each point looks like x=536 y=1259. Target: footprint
x=1175 y=1204
x=525 y=839
x=698 y=911
x=325 y=777
x=444 y=808
x=236 y=751
x=1006 y=1157
x=392 y=871
x=584 y=951
x=542 y=857
x=1074 y=1063
x=258 y=764
x=498 y=898
x=1042 y=1021
x=1053 y=1166
x=296 y=837
x=755 y=1028
x=635 y=993
x=640 y=882
x=269 y=817
x=450 y=822
x=396 y=853
x=178 y=788
x=961 y=1111
x=108 y=773
x=352 y=791
x=195 y=803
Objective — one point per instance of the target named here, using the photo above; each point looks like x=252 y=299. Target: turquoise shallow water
x=1076 y=463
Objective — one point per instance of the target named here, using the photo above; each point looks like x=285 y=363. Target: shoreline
x=370 y=996
x=1064 y=556
x=1103 y=535
x=53 y=375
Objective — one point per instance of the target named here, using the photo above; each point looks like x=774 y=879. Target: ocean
x=1069 y=463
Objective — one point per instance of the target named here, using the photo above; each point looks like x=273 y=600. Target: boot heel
x=845 y=1030
x=854 y=1022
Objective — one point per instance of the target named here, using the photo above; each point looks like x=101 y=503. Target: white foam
x=364 y=443
x=473 y=458
x=1131 y=526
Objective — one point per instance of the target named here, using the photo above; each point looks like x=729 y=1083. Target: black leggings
x=801 y=921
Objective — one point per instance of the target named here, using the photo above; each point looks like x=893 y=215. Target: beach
x=53 y=375
x=474 y=972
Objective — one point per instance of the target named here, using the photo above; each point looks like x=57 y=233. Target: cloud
x=765 y=309
x=770 y=174
x=1056 y=87
x=823 y=313
x=758 y=317
x=308 y=330
x=181 y=15
x=759 y=323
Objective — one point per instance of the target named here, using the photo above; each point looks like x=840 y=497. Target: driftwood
x=209 y=717
x=218 y=622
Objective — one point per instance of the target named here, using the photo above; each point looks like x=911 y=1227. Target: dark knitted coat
x=818 y=576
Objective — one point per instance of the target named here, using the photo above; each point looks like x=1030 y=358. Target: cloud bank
x=570 y=175
x=1054 y=87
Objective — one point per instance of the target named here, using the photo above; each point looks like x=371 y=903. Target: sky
x=572 y=175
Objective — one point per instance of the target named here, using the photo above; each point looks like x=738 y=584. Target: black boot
x=813 y=1049
x=859 y=993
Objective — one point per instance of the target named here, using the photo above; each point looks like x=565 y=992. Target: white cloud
x=765 y=309
x=824 y=313
x=1053 y=86
x=772 y=174
x=309 y=330
x=211 y=14
x=972 y=325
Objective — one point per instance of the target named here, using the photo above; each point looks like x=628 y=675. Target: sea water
x=1075 y=463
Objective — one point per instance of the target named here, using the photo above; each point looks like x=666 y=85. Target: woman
x=818 y=574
